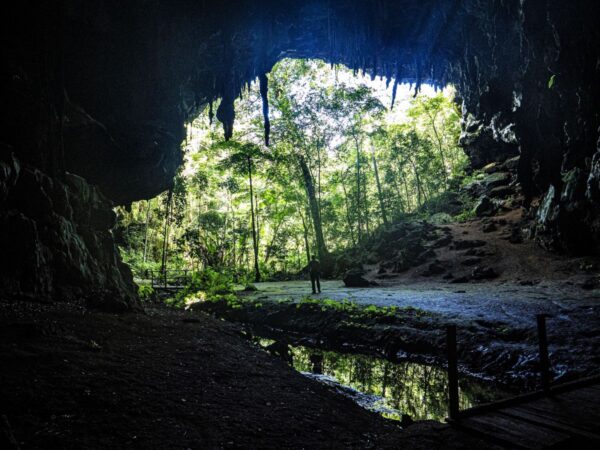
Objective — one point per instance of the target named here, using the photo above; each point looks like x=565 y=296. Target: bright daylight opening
x=348 y=155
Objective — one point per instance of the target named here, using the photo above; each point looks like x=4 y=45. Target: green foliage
x=207 y=285
x=145 y=291
x=465 y=215
x=356 y=311
x=368 y=167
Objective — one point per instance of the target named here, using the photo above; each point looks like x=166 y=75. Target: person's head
x=314 y=258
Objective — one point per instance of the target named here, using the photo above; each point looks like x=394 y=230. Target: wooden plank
x=513 y=431
x=520 y=399
x=565 y=412
x=554 y=423
x=587 y=395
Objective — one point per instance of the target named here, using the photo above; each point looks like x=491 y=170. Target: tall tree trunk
x=254 y=237
x=274 y=237
x=348 y=219
x=314 y=208
x=319 y=178
x=407 y=193
x=379 y=191
x=358 y=194
x=401 y=203
x=163 y=267
x=440 y=147
x=420 y=192
x=306 y=244
x=146 y=231
x=366 y=208
x=257 y=220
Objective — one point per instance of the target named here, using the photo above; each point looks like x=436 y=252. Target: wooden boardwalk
x=567 y=417
x=170 y=280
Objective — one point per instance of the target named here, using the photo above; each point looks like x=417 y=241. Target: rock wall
x=56 y=240
x=102 y=89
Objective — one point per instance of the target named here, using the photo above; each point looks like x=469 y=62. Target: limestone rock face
x=56 y=241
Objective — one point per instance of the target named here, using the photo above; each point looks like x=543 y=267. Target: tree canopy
x=341 y=164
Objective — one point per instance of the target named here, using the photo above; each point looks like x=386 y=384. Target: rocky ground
x=500 y=242
x=72 y=378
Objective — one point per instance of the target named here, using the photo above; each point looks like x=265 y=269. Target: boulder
x=497 y=179
x=460 y=280
x=471 y=261
x=442 y=242
x=435 y=268
x=491 y=167
x=483 y=273
x=441 y=218
x=489 y=227
x=485 y=207
x=501 y=192
x=511 y=164
x=355 y=278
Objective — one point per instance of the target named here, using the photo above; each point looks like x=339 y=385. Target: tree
x=242 y=158
x=339 y=167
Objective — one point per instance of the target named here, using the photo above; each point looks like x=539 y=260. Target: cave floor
x=72 y=378
x=496 y=322
x=514 y=304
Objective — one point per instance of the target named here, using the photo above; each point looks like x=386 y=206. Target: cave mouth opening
x=349 y=154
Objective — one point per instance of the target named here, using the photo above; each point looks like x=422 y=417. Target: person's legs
x=312 y=281
x=318 y=277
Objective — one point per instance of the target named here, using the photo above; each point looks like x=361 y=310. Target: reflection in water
x=392 y=389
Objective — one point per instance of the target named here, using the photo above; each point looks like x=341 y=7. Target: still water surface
x=389 y=388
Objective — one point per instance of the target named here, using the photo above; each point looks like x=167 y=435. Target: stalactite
x=226 y=114
x=394 y=92
x=264 y=94
x=211 y=114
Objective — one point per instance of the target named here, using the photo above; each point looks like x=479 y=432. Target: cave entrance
x=349 y=155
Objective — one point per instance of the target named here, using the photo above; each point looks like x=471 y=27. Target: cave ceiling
x=132 y=74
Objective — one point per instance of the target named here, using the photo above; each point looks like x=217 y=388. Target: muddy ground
x=72 y=378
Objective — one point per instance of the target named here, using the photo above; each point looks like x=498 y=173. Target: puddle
x=388 y=388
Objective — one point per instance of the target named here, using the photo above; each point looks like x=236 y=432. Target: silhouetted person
x=316 y=359
x=314 y=269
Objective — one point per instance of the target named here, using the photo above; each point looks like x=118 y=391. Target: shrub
x=207 y=285
x=145 y=291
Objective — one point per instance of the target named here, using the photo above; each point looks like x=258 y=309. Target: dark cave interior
x=96 y=96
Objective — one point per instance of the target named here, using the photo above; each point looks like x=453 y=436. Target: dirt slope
x=486 y=249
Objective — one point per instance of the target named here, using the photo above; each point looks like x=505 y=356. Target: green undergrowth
x=145 y=291
x=207 y=285
x=355 y=310
x=350 y=309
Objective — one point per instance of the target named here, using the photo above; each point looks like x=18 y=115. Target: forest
x=347 y=155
